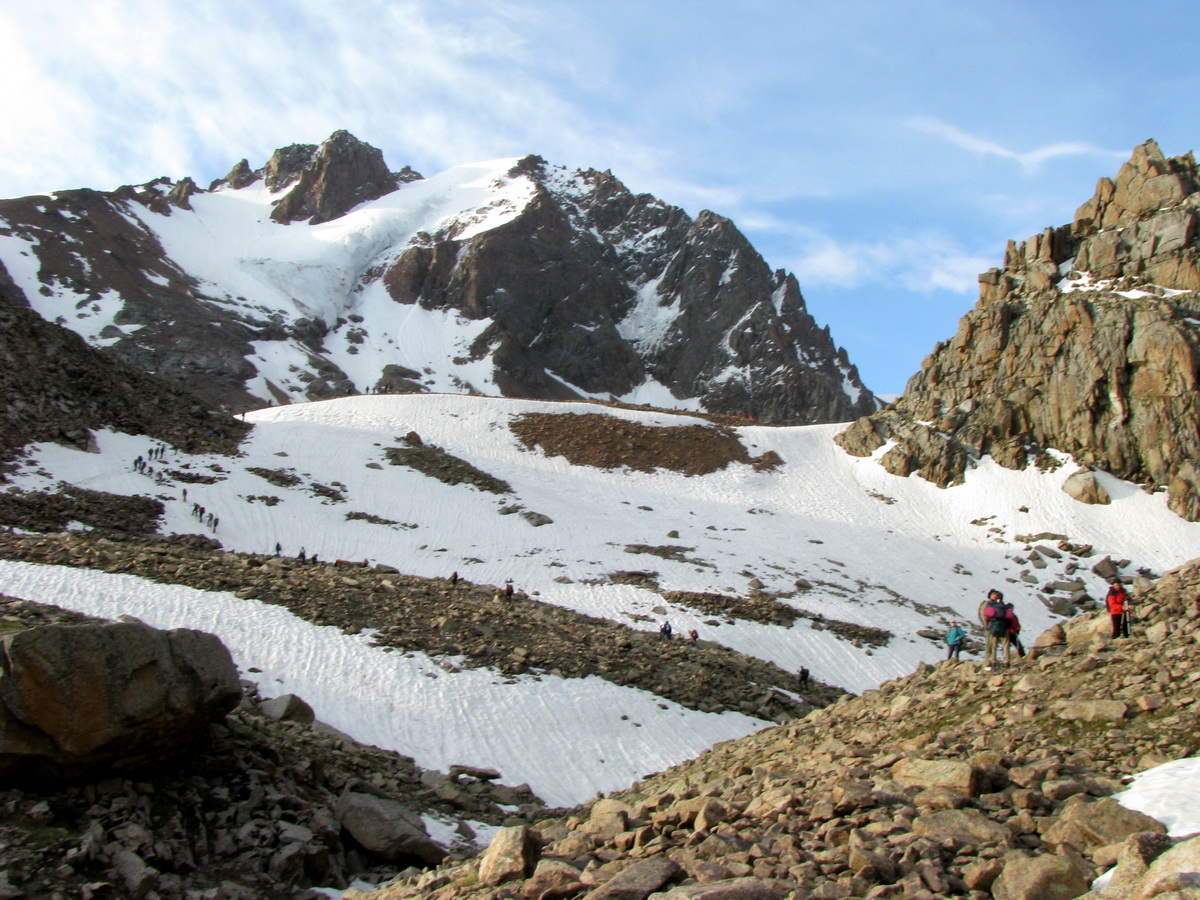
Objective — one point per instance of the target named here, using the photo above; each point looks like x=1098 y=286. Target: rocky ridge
x=587 y=290
x=55 y=387
x=955 y=781
x=1086 y=342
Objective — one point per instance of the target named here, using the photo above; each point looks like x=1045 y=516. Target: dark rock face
x=587 y=289
x=54 y=387
x=168 y=325
x=1087 y=342
x=343 y=173
x=287 y=163
x=86 y=698
x=575 y=286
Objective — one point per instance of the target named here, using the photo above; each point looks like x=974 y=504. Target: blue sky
x=884 y=152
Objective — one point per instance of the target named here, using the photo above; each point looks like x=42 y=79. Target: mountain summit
x=324 y=274
x=1086 y=341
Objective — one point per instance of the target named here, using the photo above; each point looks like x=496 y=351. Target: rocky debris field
x=606 y=442
x=955 y=781
x=515 y=636
x=267 y=805
x=36 y=511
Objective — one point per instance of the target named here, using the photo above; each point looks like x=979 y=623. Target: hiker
x=278 y=549
x=453 y=579
x=664 y=633
x=1117 y=601
x=1014 y=629
x=955 y=639
x=802 y=676
x=994 y=616
x=302 y=556
x=508 y=591
x=693 y=637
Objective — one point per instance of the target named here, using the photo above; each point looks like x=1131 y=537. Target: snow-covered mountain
x=323 y=274
x=873 y=566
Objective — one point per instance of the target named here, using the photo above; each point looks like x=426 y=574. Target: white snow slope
x=898 y=554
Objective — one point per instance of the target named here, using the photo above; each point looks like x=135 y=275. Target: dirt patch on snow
x=606 y=442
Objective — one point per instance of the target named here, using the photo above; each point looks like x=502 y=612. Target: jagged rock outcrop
x=560 y=285
x=342 y=173
x=82 y=699
x=1087 y=342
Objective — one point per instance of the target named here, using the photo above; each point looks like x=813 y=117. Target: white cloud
x=919 y=263
x=1030 y=160
x=103 y=93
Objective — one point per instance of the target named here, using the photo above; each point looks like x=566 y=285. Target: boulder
x=968 y=826
x=1136 y=855
x=1082 y=486
x=387 y=828
x=86 y=698
x=638 y=881
x=287 y=708
x=726 y=889
x=1178 y=869
x=1088 y=629
x=1090 y=710
x=553 y=879
x=960 y=777
x=1088 y=826
x=1039 y=878
x=510 y=855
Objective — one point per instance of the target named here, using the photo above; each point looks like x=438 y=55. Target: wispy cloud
x=919 y=263
x=1030 y=160
x=110 y=92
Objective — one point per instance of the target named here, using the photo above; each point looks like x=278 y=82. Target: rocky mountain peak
x=240 y=176
x=286 y=164
x=1086 y=341
x=343 y=173
x=566 y=286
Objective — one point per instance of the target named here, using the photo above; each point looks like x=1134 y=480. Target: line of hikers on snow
x=1002 y=628
x=198 y=512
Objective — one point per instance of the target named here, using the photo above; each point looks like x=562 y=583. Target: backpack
x=997 y=615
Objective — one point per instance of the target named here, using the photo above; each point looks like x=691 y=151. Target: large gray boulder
x=387 y=828
x=79 y=699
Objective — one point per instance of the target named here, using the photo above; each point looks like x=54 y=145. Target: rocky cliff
x=1086 y=341
x=54 y=387
x=323 y=273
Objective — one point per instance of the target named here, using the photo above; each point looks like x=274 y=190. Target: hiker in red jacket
x=995 y=615
x=1117 y=602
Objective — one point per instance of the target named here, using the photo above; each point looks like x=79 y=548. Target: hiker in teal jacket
x=955 y=638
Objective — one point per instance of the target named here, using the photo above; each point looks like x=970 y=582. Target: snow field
x=565 y=738
x=876 y=550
